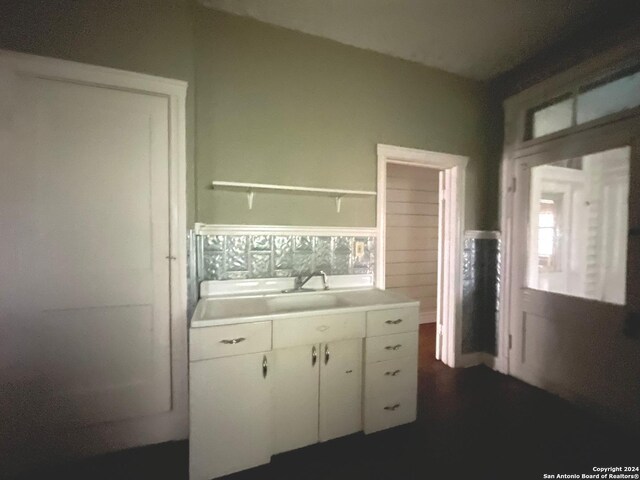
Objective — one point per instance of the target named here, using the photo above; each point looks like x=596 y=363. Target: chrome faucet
x=299 y=282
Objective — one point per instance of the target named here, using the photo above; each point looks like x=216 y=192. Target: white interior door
x=85 y=281
x=574 y=288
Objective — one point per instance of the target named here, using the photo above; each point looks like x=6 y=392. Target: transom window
x=587 y=103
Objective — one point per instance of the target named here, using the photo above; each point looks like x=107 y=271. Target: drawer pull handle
x=326 y=354
x=393 y=347
x=393 y=322
x=393 y=374
x=265 y=366
x=233 y=341
x=392 y=407
x=314 y=356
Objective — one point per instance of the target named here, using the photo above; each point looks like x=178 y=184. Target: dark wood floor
x=472 y=424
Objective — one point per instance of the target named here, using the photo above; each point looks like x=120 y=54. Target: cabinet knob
x=393 y=347
x=392 y=407
x=314 y=356
x=265 y=366
x=326 y=354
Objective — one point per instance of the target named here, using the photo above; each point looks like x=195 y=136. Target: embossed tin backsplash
x=480 y=294
x=234 y=257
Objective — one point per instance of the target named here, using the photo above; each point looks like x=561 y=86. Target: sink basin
x=225 y=310
x=301 y=301
x=232 y=307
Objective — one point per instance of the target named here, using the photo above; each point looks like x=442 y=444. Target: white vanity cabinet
x=317 y=394
x=230 y=387
x=391 y=368
x=296 y=390
x=230 y=415
x=340 y=389
x=266 y=387
x=317 y=387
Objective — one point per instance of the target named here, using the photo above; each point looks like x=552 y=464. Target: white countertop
x=225 y=310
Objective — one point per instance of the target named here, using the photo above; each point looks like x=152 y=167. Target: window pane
x=552 y=118
x=609 y=98
x=545 y=242
x=546 y=219
x=578 y=226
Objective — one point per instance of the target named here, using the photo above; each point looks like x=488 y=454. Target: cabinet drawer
x=391 y=377
x=226 y=340
x=323 y=328
x=397 y=320
x=391 y=346
x=389 y=411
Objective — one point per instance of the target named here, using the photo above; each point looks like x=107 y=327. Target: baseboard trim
x=489 y=360
x=469 y=360
x=477 y=358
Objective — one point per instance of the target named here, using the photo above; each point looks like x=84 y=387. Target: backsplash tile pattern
x=226 y=257
x=265 y=256
x=480 y=294
x=260 y=264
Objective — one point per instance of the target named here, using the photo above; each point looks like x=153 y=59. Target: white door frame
x=450 y=238
x=172 y=425
x=516 y=147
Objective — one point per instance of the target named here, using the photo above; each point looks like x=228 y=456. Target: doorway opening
x=420 y=218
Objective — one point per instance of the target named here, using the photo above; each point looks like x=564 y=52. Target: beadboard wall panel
x=412 y=233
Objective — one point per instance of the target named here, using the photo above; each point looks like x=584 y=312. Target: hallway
x=472 y=424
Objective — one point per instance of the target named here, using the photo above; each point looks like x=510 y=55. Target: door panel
x=340 y=388
x=295 y=396
x=84 y=290
x=230 y=405
x=568 y=310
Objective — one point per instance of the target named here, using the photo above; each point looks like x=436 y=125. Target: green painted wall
x=270 y=105
x=147 y=36
x=277 y=106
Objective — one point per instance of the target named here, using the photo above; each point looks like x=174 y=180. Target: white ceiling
x=473 y=38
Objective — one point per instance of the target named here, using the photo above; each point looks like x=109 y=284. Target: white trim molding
x=54 y=68
x=221 y=229
x=450 y=238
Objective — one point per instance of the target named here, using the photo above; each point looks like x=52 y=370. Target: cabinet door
x=230 y=405
x=295 y=397
x=340 y=388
